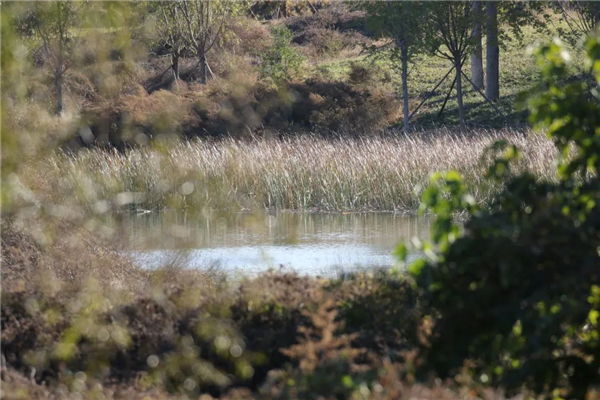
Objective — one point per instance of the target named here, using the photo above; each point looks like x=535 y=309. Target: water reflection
x=308 y=242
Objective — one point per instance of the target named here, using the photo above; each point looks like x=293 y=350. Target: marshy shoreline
x=307 y=173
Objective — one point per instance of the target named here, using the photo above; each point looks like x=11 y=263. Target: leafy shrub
x=517 y=289
x=280 y=61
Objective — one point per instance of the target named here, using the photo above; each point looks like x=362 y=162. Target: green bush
x=280 y=61
x=516 y=289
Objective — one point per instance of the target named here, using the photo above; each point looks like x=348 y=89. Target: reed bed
x=302 y=173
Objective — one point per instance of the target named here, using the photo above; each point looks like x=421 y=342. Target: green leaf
x=400 y=252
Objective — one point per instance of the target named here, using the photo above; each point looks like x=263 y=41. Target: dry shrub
x=159 y=75
x=325 y=105
x=330 y=31
x=21 y=256
x=81 y=86
x=187 y=335
x=92 y=337
x=40 y=131
x=269 y=9
x=17 y=386
x=233 y=68
x=63 y=254
x=123 y=121
x=381 y=310
x=251 y=36
x=335 y=16
x=111 y=79
x=228 y=106
x=392 y=384
x=269 y=310
x=324 y=362
x=326 y=43
x=161 y=111
x=360 y=74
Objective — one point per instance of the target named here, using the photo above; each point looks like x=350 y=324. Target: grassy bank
x=375 y=173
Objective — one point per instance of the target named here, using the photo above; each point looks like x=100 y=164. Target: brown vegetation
x=277 y=336
x=175 y=334
x=374 y=173
x=97 y=324
x=65 y=254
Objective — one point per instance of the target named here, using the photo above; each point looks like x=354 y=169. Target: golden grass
x=373 y=173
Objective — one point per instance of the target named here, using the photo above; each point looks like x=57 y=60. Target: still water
x=310 y=243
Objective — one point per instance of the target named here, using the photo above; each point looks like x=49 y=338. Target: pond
x=310 y=243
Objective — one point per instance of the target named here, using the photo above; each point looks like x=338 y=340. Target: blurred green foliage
x=515 y=289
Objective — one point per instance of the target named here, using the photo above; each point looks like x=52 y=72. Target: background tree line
x=454 y=31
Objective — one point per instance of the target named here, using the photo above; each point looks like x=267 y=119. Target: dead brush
x=323 y=362
x=319 y=343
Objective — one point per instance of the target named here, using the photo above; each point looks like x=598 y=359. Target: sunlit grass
x=518 y=73
x=375 y=173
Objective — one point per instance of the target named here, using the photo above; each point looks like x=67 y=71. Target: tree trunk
x=404 y=56
x=492 y=87
x=175 y=65
x=59 y=96
x=202 y=56
x=476 y=53
x=459 y=97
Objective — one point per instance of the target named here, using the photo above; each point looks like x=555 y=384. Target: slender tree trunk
x=492 y=87
x=202 y=56
x=59 y=96
x=476 y=53
x=58 y=73
x=404 y=56
x=175 y=66
x=459 y=96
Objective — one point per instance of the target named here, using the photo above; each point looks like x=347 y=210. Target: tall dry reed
x=374 y=173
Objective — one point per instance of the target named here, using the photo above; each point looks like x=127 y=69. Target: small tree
x=403 y=22
x=280 y=60
x=198 y=25
x=54 y=23
x=450 y=38
x=170 y=31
